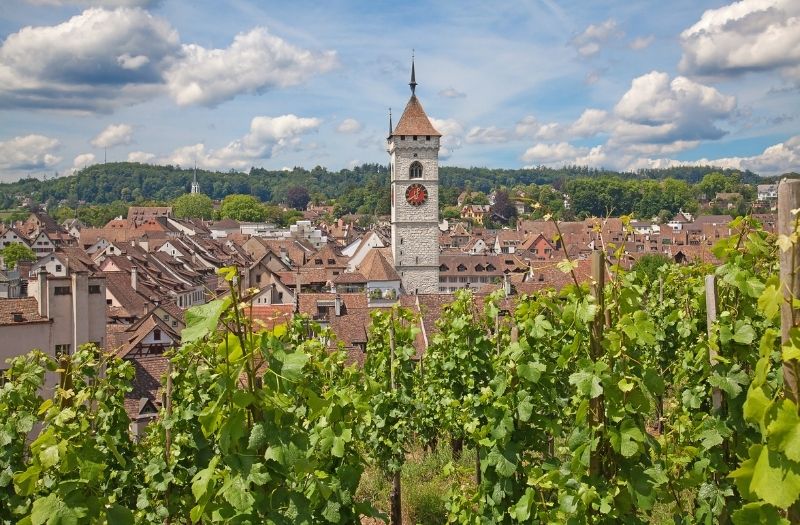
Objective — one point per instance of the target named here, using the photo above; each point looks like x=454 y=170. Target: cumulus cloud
x=590 y=123
x=98 y=3
x=452 y=93
x=267 y=137
x=140 y=156
x=82 y=160
x=641 y=42
x=490 y=135
x=529 y=126
x=750 y=35
x=541 y=154
x=658 y=110
x=349 y=125
x=452 y=136
x=28 y=152
x=590 y=41
x=113 y=135
x=255 y=62
x=657 y=116
x=92 y=62
x=102 y=59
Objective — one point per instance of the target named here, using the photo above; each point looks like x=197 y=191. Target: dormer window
x=415 y=171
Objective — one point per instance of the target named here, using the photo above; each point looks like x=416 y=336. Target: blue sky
x=229 y=85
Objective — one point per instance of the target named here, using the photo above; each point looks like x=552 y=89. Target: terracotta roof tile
x=414 y=121
x=27 y=307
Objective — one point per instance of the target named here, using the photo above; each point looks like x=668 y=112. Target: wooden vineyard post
x=788 y=200
x=596 y=409
x=395 y=512
x=711 y=319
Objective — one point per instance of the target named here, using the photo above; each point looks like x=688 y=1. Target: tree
x=13 y=253
x=297 y=197
x=242 y=208
x=503 y=206
x=193 y=206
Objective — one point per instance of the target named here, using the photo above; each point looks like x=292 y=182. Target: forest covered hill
x=129 y=182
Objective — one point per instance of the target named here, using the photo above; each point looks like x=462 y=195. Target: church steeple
x=195 y=185
x=413 y=82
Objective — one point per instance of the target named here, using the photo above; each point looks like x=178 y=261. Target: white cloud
x=593 y=37
x=529 y=126
x=641 y=42
x=490 y=135
x=113 y=135
x=452 y=136
x=591 y=122
x=267 y=137
x=102 y=59
x=94 y=61
x=140 y=156
x=349 y=125
x=82 y=160
x=28 y=152
x=255 y=62
x=452 y=92
x=541 y=154
x=751 y=35
x=657 y=110
x=97 y=3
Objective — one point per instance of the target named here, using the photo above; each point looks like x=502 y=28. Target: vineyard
x=629 y=399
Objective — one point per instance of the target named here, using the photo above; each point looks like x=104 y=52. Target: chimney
x=337 y=305
x=134 y=277
x=41 y=293
x=506 y=285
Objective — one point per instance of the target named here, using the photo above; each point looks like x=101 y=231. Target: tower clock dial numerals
x=416 y=194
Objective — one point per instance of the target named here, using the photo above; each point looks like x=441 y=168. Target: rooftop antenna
x=413 y=82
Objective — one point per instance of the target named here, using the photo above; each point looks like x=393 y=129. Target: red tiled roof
x=27 y=307
x=414 y=121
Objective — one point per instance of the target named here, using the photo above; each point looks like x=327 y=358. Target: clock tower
x=413 y=148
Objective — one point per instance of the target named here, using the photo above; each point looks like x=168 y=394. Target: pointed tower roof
x=414 y=120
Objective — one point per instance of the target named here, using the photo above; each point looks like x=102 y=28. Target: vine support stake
x=396 y=511
x=596 y=410
x=788 y=200
x=711 y=319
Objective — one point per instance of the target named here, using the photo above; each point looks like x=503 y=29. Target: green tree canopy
x=13 y=253
x=193 y=206
x=242 y=208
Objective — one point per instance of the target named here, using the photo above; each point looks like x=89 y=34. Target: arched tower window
x=415 y=171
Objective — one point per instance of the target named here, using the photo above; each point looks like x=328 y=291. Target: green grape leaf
x=201 y=480
x=117 y=514
x=202 y=320
x=770 y=300
x=784 y=430
x=755 y=406
x=51 y=510
x=25 y=482
x=531 y=371
x=236 y=492
x=758 y=512
x=293 y=364
x=744 y=334
x=776 y=479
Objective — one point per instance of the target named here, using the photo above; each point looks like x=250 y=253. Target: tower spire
x=413 y=82
x=390 y=122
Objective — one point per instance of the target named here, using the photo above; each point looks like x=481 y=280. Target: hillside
x=367 y=184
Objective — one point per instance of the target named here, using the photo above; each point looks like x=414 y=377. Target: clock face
x=416 y=194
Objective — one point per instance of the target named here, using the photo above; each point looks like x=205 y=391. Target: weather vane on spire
x=413 y=82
